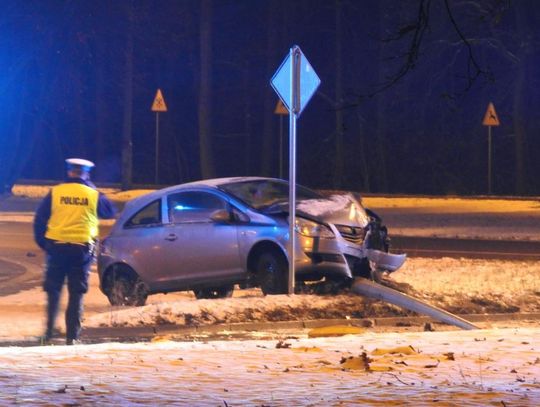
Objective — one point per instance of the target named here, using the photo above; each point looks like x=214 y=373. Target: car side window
x=149 y=215
x=193 y=206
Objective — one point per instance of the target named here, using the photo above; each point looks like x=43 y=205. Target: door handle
x=171 y=237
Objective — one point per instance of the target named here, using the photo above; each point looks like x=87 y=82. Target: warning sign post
x=490 y=119
x=158 y=105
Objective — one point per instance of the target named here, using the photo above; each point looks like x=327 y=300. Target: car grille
x=354 y=234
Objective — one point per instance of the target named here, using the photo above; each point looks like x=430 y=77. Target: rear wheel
x=219 y=292
x=126 y=288
x=272 y=271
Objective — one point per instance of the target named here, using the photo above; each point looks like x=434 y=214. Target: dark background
x=405 y=85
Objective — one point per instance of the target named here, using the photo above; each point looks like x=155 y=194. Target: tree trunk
x=205 y=90
x=518 y=107
x=248 y=128
x=380 y=175
x=80 y=125
x=364 y=165
x=127 y=123
x=339 y=151
x=8 y=174
x=270 y=97
x=100 y=112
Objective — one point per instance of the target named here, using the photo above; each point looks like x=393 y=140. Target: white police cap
x=81 y=163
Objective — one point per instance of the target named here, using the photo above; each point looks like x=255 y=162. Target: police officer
x=66 y=228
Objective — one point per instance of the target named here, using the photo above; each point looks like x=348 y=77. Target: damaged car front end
x=338 y=239
x=359 y=242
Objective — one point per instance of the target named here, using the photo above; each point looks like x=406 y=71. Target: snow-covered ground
x=480 y=218
x=457 y=285
x=473 y=368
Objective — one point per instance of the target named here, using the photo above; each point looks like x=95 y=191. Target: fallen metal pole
x=368 y=288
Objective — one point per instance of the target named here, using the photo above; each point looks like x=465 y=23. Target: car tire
x=212 y=293
x=272 y=272
x=125 y=289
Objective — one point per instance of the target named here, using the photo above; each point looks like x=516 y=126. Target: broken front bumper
x=334 y=258
x=383 y=261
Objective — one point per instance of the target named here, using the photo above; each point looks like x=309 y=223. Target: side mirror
x=221 y=216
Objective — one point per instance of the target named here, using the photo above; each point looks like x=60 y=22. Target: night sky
x=404 y=88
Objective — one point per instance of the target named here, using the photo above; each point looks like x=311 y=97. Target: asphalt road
x=21 y=260
x=468 y=248
x=16 y=237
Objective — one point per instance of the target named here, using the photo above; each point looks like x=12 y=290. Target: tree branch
x=473 y=68
x=416 y=31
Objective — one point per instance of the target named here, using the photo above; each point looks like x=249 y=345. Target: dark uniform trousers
x=71 y=261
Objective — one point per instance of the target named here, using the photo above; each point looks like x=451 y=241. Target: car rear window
x=148 y=215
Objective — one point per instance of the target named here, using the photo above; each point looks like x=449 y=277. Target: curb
x=188 y=332
x=266 y=330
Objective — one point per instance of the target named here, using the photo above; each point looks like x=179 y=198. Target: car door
x=197 y=249
x=141 y=242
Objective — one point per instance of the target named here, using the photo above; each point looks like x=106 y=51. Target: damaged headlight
x=313 y=229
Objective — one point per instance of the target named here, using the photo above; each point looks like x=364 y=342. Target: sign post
x=295 y=82
x=490 y=119
x=158 y=106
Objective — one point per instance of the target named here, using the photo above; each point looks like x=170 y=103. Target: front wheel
x=126 y=290
x=211 y=293
x=272 y=271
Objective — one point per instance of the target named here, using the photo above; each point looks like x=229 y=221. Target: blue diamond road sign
x=305 y=80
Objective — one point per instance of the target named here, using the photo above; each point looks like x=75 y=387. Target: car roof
x=214 y=182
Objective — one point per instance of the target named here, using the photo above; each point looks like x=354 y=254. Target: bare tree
x=127 y=141
x=270 y=98
x=205 y=90
x=413 y=33
x=339 y=132
x=519 y=103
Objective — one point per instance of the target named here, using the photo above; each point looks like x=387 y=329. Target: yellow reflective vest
x=73 y=213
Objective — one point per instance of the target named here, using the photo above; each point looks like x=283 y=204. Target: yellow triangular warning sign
x=490 y=118
x=280 y=108
x=159 y=103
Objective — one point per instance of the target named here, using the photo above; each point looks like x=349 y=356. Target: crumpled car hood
x=336 y=209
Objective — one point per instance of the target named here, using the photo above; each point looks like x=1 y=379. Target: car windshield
x=263 y=194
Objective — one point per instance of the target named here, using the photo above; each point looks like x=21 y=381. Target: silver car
x=209 y=236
